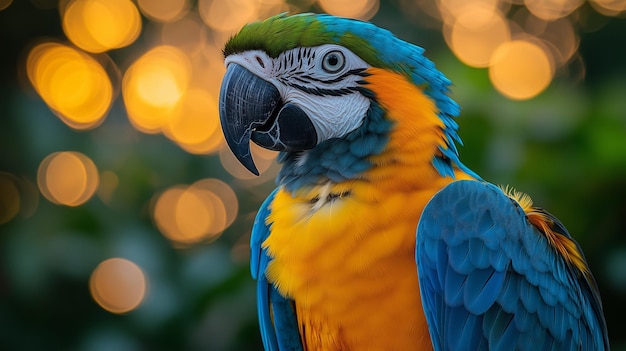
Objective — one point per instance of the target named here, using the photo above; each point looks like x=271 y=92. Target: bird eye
x=333 y=61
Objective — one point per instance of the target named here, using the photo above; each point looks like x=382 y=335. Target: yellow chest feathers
x=347 y=260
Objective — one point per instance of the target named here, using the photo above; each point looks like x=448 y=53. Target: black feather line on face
x=352 y=72
x=321 y=91
x=328 y=92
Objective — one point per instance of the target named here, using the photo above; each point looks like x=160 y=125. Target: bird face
x=291 y=102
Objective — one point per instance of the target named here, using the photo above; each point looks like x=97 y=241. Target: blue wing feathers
x=260 y=231
x=481 y=290
x=498 y=259
x=491 y=280
x=277 y=317
x=529 y=296
x=479 y=253
x=465 y=339
x=454 y=283
x=285 y=322
x=442 y=257
x=496 y=322
x=509 y=295
x=268 y=335
x=459 y=258
x=524 y=320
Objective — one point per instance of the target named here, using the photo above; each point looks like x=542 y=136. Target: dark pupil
x=333 y=60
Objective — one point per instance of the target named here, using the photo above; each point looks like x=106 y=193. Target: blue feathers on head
x=341 y=159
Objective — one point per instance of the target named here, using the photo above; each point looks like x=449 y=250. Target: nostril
x=260 y=61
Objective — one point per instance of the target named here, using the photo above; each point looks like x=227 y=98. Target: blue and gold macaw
x=378 y=237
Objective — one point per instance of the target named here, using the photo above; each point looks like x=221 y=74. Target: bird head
x=302 y=85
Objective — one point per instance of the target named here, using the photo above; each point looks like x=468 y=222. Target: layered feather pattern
x=487 y=272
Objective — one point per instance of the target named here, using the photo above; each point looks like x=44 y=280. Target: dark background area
x=565 y=147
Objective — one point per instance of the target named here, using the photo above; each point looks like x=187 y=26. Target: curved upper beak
x=247 y=102
x=252 y=109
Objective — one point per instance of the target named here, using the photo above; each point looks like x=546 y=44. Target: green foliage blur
x=566 y=148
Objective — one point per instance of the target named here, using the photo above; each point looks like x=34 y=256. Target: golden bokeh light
x=118 y=285
x=225 y=193
x=475 y=29
x=163 y=212
x=9 y=197
x=228 y=16
x=101 y=25
x=559 y=35
x=71 y=83
x=200 y=212
x=263 y=159
x=192 y=217
x=359 y=9
x=194 y=124
x=4 y=4
x=153 y=85
x=208 y=66
x=521 y=69
x=475 y=35
x=550 y=10
x=609 y=7
x=164 y=11
x=451 y=10
x=562 y=38
x=67 y=178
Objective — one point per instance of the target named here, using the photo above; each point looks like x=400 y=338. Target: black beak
x=251 y=109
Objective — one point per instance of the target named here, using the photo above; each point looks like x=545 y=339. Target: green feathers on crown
x=281 y=33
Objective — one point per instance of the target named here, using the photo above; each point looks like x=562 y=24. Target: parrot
x=377 y=236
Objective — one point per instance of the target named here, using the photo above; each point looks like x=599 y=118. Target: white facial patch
x=332 y=116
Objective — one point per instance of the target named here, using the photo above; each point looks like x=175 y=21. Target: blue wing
x=491 y=281
x=277 y=317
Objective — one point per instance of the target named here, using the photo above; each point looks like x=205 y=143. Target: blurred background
x=124 y=221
